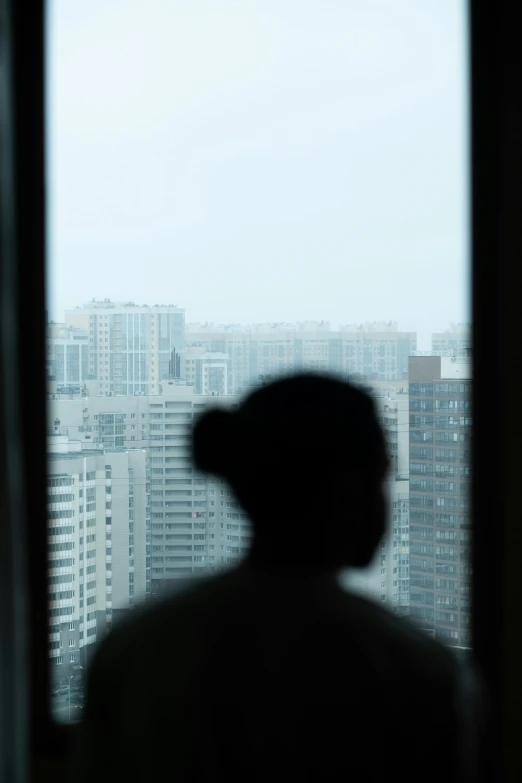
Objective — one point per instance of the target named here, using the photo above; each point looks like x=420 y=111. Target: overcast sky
x=269 y=160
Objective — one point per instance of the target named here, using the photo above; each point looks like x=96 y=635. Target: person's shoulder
x=162 y=616
x=402 y=643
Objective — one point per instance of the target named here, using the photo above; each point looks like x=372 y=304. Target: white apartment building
x=386 y=580
x=196 y=526
x=207 y=372
x=376 y=351
x=131 y=347
x=455 y=341
x=67 y=355
x=97 y=511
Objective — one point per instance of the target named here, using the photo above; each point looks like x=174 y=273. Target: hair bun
x=214 y=442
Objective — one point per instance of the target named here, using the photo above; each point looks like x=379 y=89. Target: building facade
x=196 y=526
x=375 y=351
x=132 y=348
x=67 y=355
x=207 y=372
x=455 y=341
x=440 y=476
x=97 y=511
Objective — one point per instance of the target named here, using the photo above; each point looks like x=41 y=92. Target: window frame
x=23 y=306
x=496 y=187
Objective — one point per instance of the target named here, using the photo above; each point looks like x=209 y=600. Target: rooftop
x=108 y=304
x=375 y=327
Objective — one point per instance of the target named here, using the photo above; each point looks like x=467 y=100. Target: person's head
x=306 y=458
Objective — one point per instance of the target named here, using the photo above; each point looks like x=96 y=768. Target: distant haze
x=276 y=160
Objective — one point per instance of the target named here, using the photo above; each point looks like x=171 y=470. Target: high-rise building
x=132 y=348
x=207 y=372
x=97 y=506
x=67 y=355
x=455 y=341
x=440 y=435
x=196 y=525
x=375 y=351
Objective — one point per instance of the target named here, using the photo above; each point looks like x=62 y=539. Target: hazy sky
x=254 y=161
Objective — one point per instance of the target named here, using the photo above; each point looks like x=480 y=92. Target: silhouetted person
x=272 y=671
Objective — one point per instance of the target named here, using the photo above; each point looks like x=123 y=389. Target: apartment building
x=386 y=580
x=207 y=372
x=440 y=476
x=131 y=347
x=377 y=351
x=196 y=526
x=67 y=355
x=455 y=341
x=97 y=511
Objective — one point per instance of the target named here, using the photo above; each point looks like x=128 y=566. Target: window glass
x=238 y=190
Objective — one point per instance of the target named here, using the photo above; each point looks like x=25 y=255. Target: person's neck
x=289 y=558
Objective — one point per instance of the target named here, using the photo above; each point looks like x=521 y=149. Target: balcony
x=91 y=446
x=57 y=430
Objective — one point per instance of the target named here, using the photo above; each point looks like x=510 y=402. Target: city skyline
x=424 y=339
x=130 y=516
x=129 y=348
